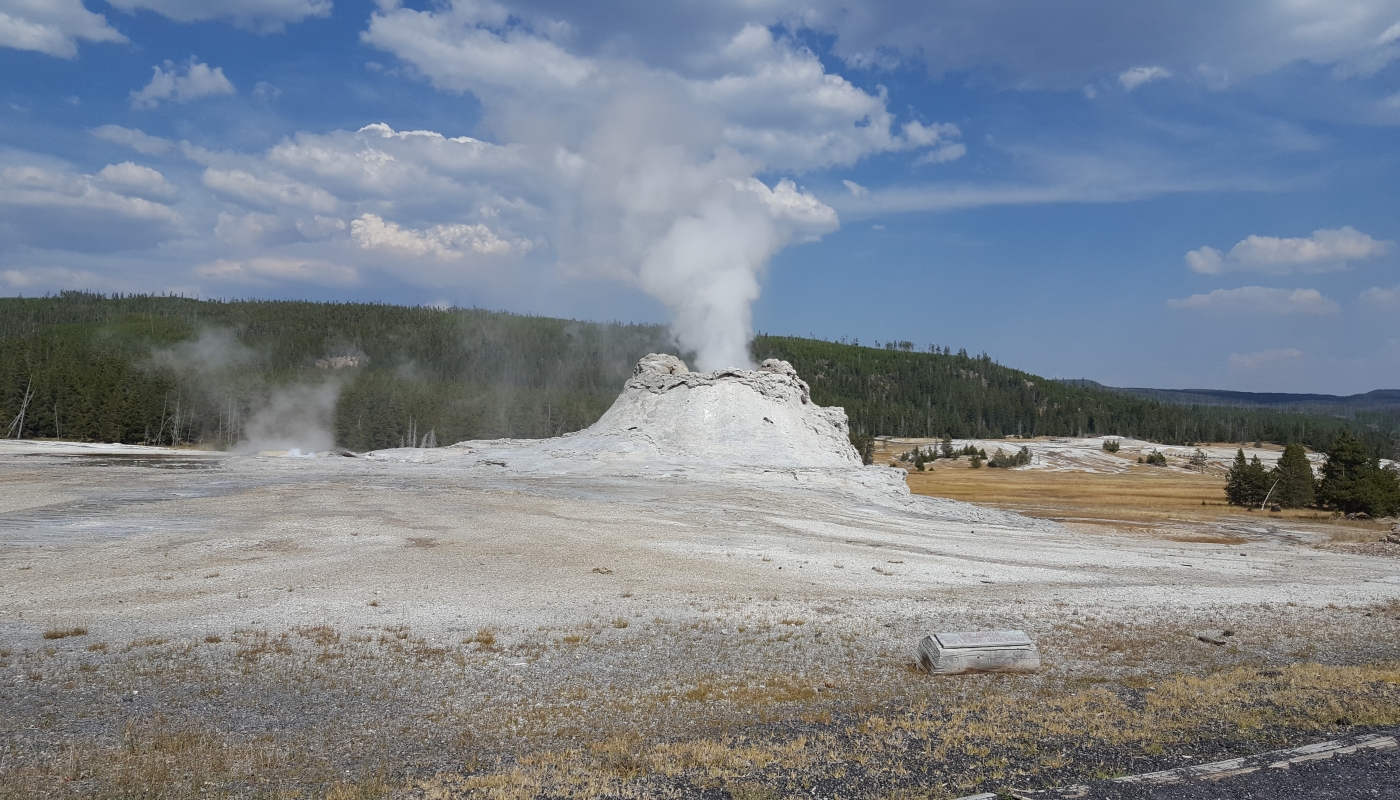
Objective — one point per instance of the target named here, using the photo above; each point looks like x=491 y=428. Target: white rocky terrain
x=726 y=485
x=710 y=553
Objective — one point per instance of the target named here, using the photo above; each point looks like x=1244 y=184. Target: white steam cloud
x=651 y=173
x=294 y=417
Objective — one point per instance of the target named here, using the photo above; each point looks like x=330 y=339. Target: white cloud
x=1258 y=300
x=269 y=191
x=262 y=16
x=169 y=84
x=770 y=99
x=1007 y=42
x=136 y=180
x=1382 y=299
x=276 y=269
x=1137 y=76
x=56 y=279
x=475 y=47
x=1265 y=359
x=68 y=210
x=1325 y=251
x=52 y=27
x=259 y=229
x=449 y=242
x=949 y=151
x=134 y=138
x=856 y=189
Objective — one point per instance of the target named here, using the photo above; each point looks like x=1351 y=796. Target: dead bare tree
x=16 y=430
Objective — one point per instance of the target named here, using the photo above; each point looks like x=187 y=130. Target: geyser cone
x=762 y=417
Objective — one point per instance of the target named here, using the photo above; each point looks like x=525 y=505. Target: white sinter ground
x=722 y=490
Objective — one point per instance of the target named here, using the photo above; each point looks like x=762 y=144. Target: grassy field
x=1143 y=499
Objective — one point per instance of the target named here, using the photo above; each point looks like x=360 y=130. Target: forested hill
x=167 y=369
x=170 y=369
x=906 y=393
x=1377 y=400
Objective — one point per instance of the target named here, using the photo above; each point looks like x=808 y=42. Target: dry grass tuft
x=484 y=639
x=64 y=633
x=321 y=635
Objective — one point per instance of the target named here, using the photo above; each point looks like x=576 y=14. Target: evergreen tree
x=946 y=448
x=1247 y=483
x=1353 y=481
x=1295 y=478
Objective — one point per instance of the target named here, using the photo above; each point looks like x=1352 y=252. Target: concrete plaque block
x=978 y=651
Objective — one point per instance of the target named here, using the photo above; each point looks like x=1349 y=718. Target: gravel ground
x=429 y=614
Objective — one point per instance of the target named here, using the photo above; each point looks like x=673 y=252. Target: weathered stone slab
x=978 y=651
x=950 y=641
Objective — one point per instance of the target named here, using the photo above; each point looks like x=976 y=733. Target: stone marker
x=978 y=651
x=1216 y=637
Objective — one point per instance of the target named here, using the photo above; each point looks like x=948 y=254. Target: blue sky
x=1181 y=195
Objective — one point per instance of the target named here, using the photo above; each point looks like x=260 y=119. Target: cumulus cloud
x=262 y=16
x=1382 y=299
x=1326 y=250
x=52 y=27
x=450 y=242
x=270 y=190
x=171 y=85
x=855 y=189
x=1265 y=359
x=1258 y=300
x=137 y=181
x=54 y=208
x=261 y=229
x=1137 y=76
x=135 y=138
x=271 y=270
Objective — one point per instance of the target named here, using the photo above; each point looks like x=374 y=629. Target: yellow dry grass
x=1136 y=501
x=996 y=735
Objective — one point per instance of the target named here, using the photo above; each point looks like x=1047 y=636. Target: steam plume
x=651 y=174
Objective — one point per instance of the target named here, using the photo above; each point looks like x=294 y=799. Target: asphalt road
x=1364 y=774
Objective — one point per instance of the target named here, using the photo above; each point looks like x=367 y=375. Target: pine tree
x=1294 y=475
x=1247 y=483
x=1343 y=474
x=1353 y=481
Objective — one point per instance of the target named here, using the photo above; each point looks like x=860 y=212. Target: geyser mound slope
x=682 y=432
x=762 y=417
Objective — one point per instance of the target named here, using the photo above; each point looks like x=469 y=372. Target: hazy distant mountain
x=1378 y=400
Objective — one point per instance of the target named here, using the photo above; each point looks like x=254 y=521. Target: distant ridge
x=1377 y=400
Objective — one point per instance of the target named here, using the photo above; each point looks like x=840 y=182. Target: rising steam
x=651 y=173
x=295 y=417
x=706 y=268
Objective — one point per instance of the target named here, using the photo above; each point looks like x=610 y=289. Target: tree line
x=906 y=393
x=175 y=370
x=1351 y=481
